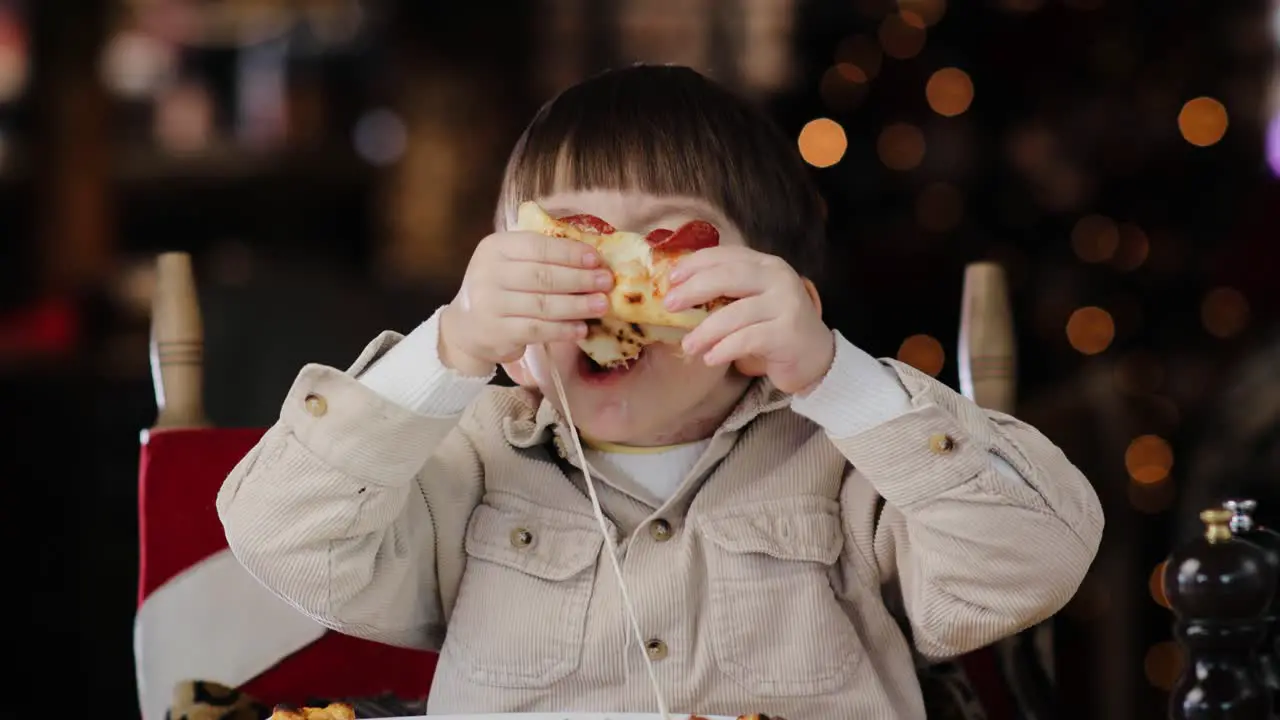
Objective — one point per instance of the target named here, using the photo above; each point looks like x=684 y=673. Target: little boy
x=793 y=516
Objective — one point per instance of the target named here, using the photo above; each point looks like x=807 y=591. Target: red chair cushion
x=180 y=473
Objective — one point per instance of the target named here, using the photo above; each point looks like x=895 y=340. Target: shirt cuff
x=412 y=375
x=857 y=394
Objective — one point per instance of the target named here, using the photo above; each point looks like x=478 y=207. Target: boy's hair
x=668 y=130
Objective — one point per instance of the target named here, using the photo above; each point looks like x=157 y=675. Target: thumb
x=751 y=366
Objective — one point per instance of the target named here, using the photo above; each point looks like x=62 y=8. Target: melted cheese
x=636 y=315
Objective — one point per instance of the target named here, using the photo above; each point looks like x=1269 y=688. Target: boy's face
x=663 y=398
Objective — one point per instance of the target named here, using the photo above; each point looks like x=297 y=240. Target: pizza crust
x=636 y=316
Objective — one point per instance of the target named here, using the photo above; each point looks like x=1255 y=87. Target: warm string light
x=1224 y=312
x=902 y=35
x=901 y=146
x=1132 y=250
x=949 y=91
x=924 y=353
x=1163 y=664
x=1148 y=459
x=822 y=142
x=1095 y=238
x=1155 y=584
x=1090 y=330
x=1202 y=121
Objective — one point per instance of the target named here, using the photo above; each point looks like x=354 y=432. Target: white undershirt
x=654 y=474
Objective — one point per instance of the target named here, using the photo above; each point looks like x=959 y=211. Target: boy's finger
x=532 y=331
x=732 y=280
x=553 y=307
x=555 y=279
x=748 y=341
x=722 y=323
x=699 y=261
x=532 y=247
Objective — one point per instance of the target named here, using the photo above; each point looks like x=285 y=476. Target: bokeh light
x=923 y=353
x=1163 y=664
x=902 y=35
x=949 y=91
x=901 y=146
x=1202 y=121
x=1090 y=330
x=1148 y=459
x=1132 y=250
x=1155 y=584
x=822 y=142
x=1224 y=312
x=1095 y=238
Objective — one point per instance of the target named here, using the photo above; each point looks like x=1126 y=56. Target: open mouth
x=594 y=372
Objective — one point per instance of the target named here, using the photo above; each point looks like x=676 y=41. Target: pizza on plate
x=332 y=711
x=640 y=265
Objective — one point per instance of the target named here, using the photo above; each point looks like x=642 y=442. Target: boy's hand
x=773 y=328
x=521 y=289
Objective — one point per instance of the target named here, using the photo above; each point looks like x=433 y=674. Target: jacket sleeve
x=351 y=504
x=979 y=522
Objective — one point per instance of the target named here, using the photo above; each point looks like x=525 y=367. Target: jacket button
x=655 y=649
x=941 y=444
x=316 y=405
x=521 y=538
x=660 y=530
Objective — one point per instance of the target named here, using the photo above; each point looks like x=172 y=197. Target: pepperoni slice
x=588 y=224
x=657 y=237
x=694 y=235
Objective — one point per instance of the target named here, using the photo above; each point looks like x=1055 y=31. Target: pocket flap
x=532 y=542
x=804 y=528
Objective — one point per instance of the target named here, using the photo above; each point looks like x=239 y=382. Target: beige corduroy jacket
x=765 y=584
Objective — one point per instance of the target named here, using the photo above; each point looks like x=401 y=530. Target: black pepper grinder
x=1243 y=526
x=1219 y=588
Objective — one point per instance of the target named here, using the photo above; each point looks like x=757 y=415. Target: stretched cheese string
x=608 y=540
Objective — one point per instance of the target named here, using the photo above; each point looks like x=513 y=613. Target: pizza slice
x=755 y=716
x=332 y=711
x=641 y=265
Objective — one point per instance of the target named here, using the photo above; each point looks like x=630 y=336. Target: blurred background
x=330 y=164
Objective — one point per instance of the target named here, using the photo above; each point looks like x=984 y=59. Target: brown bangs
x=668 y=130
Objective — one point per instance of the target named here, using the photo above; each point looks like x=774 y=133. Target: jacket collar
x=534 y=427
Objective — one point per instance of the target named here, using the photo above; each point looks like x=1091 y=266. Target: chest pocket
x=777 y=627
x=522 y=604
